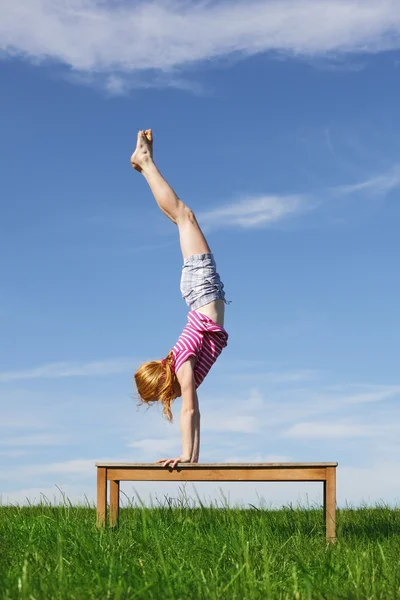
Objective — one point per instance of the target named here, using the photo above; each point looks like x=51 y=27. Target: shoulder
x=185 y=371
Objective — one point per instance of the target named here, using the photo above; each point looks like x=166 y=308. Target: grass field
x=175 y=551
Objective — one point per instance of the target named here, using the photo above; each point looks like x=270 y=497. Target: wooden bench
x=116 y=472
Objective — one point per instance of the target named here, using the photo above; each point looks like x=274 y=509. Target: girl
x=204 y=337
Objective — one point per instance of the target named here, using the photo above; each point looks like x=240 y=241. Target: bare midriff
x=215 y=310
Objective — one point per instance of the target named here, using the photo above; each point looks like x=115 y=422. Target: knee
x=184 y=212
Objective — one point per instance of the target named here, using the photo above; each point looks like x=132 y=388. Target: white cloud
x=223 y=422
x=76 y=467
x=376 y=483
x=267 y=414
x=266 y=210
x=282 y=412
x=120 y=84
x=252 y=212
x=13 y=453
x=380 y=184
x=368 y=395
x=323 y=430
x=277 y=376
x=372 y=484
x=69 y=369
x=93 y=36
x=54 y=495
x=155 y=446
x=280 y=408
x=36 y=440
x=17 y=421
x=260 y=458
x=254 y=400
x=116 y=85
x=260 y=211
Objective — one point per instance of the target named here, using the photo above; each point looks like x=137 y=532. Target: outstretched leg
x=191 y=237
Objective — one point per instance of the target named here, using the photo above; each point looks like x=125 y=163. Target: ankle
x=148 y=166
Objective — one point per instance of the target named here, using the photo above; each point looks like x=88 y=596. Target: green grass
x=175 y=551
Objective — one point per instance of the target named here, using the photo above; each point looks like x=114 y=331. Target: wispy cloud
x=277 y=376
x=63 y=469
x=259 y=458
x=348 y=396
x=281 y=411
x=19 y=421
x=81 y=467
x=380 y=184
x=120 y=84
x=119 y=38
x=265 y=210
x=69 y=369
x=316 y=403
x=54 y=495
x=35 y=440
x=76 y=467
x=322 y=430
x=13 y=453
x=252 y=212
x=355 y=485
x=223 y=422
x=153 y=446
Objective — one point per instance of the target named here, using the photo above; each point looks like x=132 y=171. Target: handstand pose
x=204 y=337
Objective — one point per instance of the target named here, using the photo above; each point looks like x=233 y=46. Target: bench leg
x=101 y=496
x=114 y=502
x=330 y=504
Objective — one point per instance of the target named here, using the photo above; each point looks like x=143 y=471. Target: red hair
x=156 y=382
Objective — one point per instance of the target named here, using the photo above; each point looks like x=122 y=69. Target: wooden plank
x=330 y=504
x=114 y=502
x=101 y=496
x=217 y=465
x=168 y=474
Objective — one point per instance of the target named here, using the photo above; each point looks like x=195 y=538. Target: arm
x=189 y=421
x=190 y=418
x=188 y=430
x=196 y=446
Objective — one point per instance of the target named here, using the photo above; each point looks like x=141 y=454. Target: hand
x=173 y=461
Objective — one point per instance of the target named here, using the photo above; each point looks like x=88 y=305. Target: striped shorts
x=200 y=282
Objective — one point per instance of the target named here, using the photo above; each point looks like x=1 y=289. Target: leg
x=191 y=237
x=142 y=160
x=101 y=496
x=330 y=504
x=114 y=502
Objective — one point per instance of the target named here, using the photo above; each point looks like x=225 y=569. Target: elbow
x=191 y=412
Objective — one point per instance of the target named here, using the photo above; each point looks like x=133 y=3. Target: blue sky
x=277 y=123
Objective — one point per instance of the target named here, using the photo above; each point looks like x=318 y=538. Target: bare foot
x=143 y=153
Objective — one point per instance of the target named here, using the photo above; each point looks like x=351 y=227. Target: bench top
x=297 y=465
